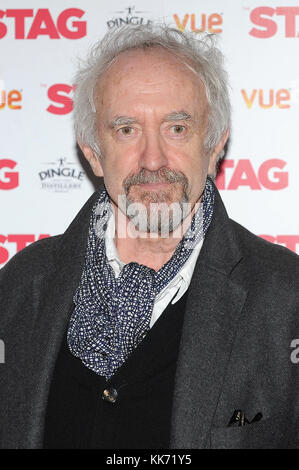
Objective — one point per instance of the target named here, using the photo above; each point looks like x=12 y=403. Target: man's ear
x=92 y=158
x=215 y=154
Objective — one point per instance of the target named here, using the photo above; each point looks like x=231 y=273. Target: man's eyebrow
x=178 y=116
x=128 y=120
x=122 y=121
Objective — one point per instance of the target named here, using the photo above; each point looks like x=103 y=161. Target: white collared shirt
x=174 y=290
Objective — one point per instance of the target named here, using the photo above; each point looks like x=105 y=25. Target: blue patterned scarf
x=112 y=315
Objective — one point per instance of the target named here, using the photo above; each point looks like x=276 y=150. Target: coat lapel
x=213 y=308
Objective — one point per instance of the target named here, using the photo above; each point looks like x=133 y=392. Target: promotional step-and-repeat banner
x=44 y=180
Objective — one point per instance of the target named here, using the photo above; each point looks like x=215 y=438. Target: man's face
x=151 y=119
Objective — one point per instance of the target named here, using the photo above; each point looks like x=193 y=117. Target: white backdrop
x=43 y=181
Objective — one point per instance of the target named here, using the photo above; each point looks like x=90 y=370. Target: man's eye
x=178 y=129
x=126 y=130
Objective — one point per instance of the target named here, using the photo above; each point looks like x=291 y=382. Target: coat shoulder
x=265 y=256
x=34 y=259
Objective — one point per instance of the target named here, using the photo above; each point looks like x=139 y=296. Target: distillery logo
x=8 y=179
x=10 y=99
x=289 y=241
x=61 y=176
x=12 y=244
x=234 y=174
x=128 y=16
x=199 y=23
x=270 y=21
x=30 y=24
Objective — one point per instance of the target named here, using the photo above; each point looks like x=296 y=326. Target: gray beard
x=157 y=214
x=158 y=217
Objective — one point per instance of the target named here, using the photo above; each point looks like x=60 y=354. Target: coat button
x=110 y=395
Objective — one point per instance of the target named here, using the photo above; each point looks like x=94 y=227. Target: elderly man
x=154 y=321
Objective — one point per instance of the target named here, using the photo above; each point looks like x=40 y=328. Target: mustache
x=163 y=175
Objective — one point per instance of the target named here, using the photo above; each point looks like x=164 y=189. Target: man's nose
x=152 y=155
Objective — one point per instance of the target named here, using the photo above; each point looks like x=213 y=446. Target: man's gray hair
x=197 y=52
